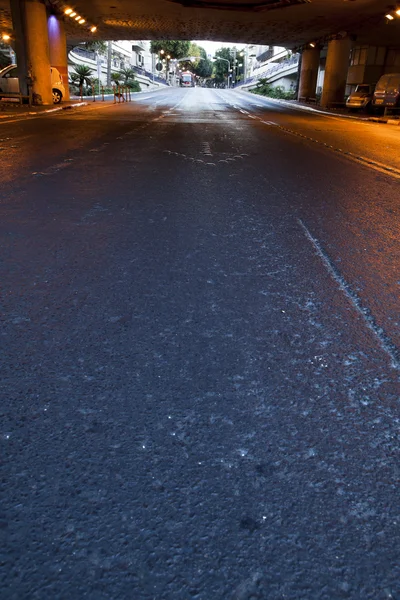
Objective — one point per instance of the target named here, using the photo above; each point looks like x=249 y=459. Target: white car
x=9 y=82
x=361 y=97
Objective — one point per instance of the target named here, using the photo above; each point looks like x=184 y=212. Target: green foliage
x=134 y=86
x=82 y=75
x=126 y=77
x=127 y=74
x=98 y=46
x=176 y=49
x=204 y=67
x=221 y=66
x=194 y=50
x=267 y=89
x=116 y=78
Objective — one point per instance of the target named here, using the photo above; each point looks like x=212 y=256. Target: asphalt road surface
x=199 y=353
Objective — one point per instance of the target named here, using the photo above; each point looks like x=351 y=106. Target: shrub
x=133 y=85
x=267 y=89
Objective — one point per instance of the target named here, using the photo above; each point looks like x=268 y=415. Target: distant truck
x=187 y=79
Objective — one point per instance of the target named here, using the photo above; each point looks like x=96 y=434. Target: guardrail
x=10 y=97
x=274 y=69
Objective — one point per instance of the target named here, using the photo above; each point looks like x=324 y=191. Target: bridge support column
x=32 y=48
x=58 y=49
x=309 y=73
x=337 y=66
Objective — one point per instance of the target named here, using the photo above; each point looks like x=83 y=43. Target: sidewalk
x=17 y=110
x=336 y=112
x=10 y=110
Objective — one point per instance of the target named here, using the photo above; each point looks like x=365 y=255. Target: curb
x=38 y=113
x=385 y=121
x=323 y=112
x=298 y=106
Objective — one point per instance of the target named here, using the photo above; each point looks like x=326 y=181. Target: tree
x=116 y=78
x=98 y=46
x=128 y=74
x=81 y=75
x=221 y=66
x=204 y=67
x=194 y=52
x=175 y=49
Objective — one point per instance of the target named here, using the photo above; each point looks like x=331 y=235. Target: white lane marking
x=384 y=340
x=53 y=169
x=361 y=160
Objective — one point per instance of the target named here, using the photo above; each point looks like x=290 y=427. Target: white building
x=125 y=54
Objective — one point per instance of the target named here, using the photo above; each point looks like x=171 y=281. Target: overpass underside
x=40 y=30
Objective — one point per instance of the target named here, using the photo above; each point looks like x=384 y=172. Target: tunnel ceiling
x=290 y=23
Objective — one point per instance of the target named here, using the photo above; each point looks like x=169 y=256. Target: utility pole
x=234 y=66
x=109 y=56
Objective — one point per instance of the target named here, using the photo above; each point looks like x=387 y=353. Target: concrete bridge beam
x=336 y=69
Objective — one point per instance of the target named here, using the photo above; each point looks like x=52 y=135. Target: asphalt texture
x=199 y=353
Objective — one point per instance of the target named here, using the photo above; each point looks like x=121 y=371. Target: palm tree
x=82 y=75
x=128 y=74
x=116 y=78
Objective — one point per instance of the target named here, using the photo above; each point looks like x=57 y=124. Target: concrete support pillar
x=337 y=66
x=309 y=73
x=37 y=47
x=17 y=13
x=32 y=48
x=58 y=49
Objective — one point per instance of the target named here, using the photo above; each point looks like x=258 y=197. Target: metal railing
x=85 y=53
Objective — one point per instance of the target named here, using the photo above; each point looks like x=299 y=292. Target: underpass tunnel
x=41 y=30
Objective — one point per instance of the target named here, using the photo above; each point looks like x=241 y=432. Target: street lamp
x=167 y=68
x=229 y=65
x=160 y=59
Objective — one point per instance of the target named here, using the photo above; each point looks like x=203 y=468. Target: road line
x=384 y=340
x=361 y=160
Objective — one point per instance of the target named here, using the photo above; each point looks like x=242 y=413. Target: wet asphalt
x=199 y=353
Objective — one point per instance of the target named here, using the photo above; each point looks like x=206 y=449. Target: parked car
x=387 y=91
x=9 y=82
x=361 y=98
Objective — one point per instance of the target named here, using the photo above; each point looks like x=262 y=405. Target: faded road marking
x=361 y=160
x=369 y=320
